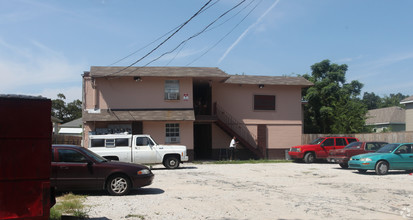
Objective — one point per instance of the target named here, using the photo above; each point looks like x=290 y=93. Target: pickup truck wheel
x=382 y=168
x=343 y=165
x=171 y=162
x=309 y=158
x=118 y=185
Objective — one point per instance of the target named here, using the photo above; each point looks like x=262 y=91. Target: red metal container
x=25 y=157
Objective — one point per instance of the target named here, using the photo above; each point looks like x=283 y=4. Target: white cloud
x=247 y=30
x=36 y=68
x=71 y=93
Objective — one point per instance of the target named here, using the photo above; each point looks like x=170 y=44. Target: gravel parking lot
x=262 y=191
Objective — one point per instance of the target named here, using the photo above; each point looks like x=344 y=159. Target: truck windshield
x=387 y=148
x=317 y=141
x=354 y=145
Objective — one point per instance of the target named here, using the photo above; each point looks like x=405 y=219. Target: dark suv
x=319 y=148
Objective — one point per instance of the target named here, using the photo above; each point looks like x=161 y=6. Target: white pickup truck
x=137 y=149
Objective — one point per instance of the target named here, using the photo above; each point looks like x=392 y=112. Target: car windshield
x=354 y=145
x=94 y=156
x=387 y=148
x=317 y=141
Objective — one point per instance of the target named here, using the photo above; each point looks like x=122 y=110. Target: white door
x=144 y=150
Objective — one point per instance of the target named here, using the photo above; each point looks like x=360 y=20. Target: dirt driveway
x=262 y=191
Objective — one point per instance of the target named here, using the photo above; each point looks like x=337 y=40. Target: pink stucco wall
x=283 y=125
x=157 y=131
x=127 y=93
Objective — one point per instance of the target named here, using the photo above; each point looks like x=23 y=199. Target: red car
x=319 y=148
x=77 y=168
x=342 y=156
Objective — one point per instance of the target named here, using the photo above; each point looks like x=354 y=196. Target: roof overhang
x=198 y=72
x=140 y=115
x=269 y=80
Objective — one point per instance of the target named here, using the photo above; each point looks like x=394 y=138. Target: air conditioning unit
x=172 y=140
x=173 y=96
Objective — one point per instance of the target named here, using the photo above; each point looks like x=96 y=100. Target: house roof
x=140 y=115
x=103 y=71
x=77 y=123
x=55 y=120
x=268 y=80
x=390 y=115
x=407 y=100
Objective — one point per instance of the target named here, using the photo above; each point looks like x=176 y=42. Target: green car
x=398 y=156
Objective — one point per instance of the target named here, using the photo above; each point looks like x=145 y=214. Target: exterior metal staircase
x=233 y=127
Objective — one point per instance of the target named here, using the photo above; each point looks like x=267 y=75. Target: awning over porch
x=140 y=115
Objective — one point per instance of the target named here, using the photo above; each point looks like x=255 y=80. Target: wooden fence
x=65 y=139
x=390 y=137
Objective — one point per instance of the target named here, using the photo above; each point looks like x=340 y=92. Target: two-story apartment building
x=199 y=107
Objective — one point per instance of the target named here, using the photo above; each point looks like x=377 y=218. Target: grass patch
x=135 y=216
x=242 y=161
x=69 y=204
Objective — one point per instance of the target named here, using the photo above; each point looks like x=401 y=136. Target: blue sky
x=46 y=45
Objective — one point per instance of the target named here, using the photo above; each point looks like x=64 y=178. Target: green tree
x=66 y=112
x=392 y=100
x=371 y=100
x=333 y=106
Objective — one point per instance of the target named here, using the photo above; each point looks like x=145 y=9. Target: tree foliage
x=373 y=101
x=66 y=111
x=333 y=106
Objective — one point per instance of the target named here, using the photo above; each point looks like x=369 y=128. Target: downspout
x=95 y=94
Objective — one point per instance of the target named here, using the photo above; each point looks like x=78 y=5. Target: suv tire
x=309 y=158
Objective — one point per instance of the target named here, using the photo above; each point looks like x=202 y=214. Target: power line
x=197 y=34
x=133 y=53
x=219 y=41
x=186 y=22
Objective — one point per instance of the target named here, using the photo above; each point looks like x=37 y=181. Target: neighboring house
x=390 y=119
x=73 y=128
x=55 y=123
x=200 y=107
x=408 y=102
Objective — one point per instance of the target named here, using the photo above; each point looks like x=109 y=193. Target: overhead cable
x=147 y=45
x=197 y=34
x=219 y=41
x=186 y=22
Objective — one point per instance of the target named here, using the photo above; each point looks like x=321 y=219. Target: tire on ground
x=171 y=162
x=309 y=157
x=118 y=185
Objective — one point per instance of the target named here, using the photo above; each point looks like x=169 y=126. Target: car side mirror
x=322 y=145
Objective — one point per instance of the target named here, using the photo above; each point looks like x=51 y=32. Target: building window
x=172 y=133
x=171 y=89
x=264 y=102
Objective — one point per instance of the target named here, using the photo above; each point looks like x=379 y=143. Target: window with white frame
x=171 y=89
x=172 y=133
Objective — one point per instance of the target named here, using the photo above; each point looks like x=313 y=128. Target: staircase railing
x=238 y=127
